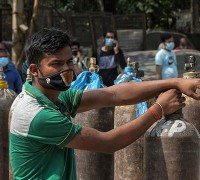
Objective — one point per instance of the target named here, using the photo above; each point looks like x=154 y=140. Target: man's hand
x=189 y=87
x=116 y=46
x=171 y=101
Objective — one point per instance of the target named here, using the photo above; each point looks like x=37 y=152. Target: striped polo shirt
x=39 y=132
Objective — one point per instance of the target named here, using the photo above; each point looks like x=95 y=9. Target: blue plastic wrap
x=127 y=77
x=87 y=80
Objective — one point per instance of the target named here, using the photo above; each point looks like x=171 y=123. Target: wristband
x=163 y=115
x=155 y=114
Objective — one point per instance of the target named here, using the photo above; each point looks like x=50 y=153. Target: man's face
x=109 y=40
x=110 y=35
x=169 y=40
x=183 y=42
x=57 y=62
x=75 y=50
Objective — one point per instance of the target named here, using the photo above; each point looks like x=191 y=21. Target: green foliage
x=159 y=13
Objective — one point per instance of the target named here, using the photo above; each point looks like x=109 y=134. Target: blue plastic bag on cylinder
x=89 y=164
x=87 y=80
x=127 y=76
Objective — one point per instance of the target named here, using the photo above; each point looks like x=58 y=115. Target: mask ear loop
x=40 y=71
x=47 y=79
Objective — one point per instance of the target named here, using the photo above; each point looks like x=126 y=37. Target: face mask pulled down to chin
x=60 y=81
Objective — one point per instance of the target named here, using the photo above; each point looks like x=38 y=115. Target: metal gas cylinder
x=191 y=112
x=128 y=162
x=93 y=165
x=6 y=98
x=171 y=149
x=28 y=75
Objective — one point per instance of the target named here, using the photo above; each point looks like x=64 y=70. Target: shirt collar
x=37 y=94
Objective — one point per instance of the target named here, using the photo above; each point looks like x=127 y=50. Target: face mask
x=4 y=61
x=74 y=52
x=170 y=46
x=60 y=81
x=184 y=46
x=109 y=42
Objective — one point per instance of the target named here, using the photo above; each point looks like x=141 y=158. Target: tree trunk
x=16 y=33
x=32 y=23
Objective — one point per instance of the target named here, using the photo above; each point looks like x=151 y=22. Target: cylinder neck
x=190 y=68
x=28 y=75
x=93 y=67
x=178 y=115
x=189 y=75
x=3 y=83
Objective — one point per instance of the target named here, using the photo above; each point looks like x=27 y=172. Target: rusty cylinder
x=191 y=111
x=93 y=165
x=128 y=162
x=7 y=96
x=171 y=150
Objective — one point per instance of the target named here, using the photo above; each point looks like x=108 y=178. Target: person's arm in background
x=158 y=63
x=121 y=59
x=158 y=72
x=77 y=69
x=119 y=56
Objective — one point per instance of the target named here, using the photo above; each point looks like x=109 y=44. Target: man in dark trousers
x=109 y=58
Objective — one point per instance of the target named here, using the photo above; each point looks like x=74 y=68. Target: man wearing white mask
x=109 y=56
x=12 y=75
x=165 y=60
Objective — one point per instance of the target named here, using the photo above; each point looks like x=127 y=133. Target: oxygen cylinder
x=191 y=112
x=171 y=149
x=28 y=75
x=93 y=165
x=6 y=98
x=128 y=162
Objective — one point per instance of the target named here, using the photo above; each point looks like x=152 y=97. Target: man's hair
x=5 y=45
x=109 y=31
x=75 y=43
x=45 y=42
x=164 y=37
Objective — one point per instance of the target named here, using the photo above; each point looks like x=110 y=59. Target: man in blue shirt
x=165 y=60
x=12 y=75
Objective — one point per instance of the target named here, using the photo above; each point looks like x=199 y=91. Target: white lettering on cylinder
x=178 y=126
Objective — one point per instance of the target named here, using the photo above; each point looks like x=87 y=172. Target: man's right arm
x=118 y=138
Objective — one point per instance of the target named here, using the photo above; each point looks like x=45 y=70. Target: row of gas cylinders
x=168 y=150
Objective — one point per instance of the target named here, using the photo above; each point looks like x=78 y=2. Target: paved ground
x=146 y=61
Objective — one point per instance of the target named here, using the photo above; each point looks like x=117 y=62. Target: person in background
x=42 y=134
x=183 y=44
x=25 y=66
x=109 y=56
x=79 y=58
x=161 y=45
x=165 y=60
x=12 y=74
